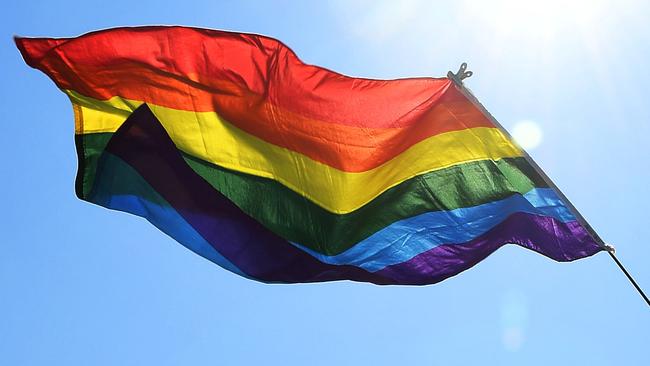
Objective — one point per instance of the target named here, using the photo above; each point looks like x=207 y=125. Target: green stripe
x=297 y=219
x=92 y=146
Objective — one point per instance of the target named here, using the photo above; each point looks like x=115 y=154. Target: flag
x=286 y=172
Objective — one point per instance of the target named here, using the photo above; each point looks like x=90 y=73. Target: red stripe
x=350 y=124
x=257 y=64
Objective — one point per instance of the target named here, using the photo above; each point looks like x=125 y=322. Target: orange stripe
x=351 y=124
x=346 y=148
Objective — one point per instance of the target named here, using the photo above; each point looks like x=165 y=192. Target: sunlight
x=541 y=19
x=528 y=134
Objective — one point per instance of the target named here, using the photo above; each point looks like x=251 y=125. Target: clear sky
x=81 y=285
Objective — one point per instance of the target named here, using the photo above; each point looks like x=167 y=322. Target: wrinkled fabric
x=284 y=172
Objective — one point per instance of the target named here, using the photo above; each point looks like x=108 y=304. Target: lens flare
x=528 y=134
x=514 y=319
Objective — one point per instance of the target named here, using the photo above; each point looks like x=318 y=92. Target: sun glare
x=543 y=19
x=528 y=134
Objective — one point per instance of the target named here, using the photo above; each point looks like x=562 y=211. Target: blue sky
x=81 y=285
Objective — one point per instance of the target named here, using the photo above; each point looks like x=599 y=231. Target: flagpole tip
x=609 y=248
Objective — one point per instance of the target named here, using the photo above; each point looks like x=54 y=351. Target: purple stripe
x=144 y=144
x=548 y=236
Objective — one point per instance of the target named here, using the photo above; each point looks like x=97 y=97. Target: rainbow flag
x=285 y=172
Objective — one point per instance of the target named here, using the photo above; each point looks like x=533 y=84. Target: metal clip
x=461 y=75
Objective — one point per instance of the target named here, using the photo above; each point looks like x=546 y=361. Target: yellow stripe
x=207 y=136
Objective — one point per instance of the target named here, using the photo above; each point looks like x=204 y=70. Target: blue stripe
x=407 y=238
x=114 y=176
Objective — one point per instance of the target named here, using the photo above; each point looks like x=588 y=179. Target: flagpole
x=629 y=277
x=458 y=78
